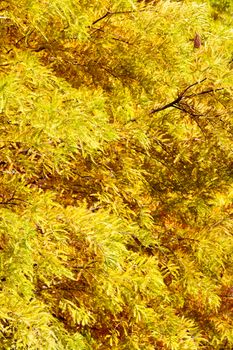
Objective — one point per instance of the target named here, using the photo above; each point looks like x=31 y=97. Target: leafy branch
x=178 y=102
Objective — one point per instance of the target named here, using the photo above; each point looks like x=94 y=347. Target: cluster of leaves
x=116 y=176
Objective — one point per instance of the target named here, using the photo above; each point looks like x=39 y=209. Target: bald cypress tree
x=116 y=176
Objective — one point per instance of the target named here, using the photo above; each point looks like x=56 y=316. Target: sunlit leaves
x=116 y=223
x=79 y=315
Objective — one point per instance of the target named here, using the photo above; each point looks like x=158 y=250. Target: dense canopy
x=116 y=175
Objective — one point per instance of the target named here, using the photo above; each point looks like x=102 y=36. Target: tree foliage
x=116 y=175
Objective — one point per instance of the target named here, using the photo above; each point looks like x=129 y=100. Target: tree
x=116 y=176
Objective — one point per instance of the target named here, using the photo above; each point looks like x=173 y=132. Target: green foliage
x=116 y=175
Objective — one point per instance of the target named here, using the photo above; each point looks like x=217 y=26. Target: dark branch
x=100 y=19
x=109 y=13
x=171 y=104
x=11 y=200
x=204 y=92
x=175 y=103
x=190 y=86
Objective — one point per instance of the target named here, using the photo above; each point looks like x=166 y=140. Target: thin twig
x=190 y=86
x=204 y=92
x=177 y=100
x=109 y=13
x=181 y=96
x=101 y=18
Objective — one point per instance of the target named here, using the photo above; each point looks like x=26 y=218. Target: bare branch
x=204 y=92
x=108 y=13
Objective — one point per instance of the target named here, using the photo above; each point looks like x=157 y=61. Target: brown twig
x=177 y=102
x=204 y=92
x=109 y=13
